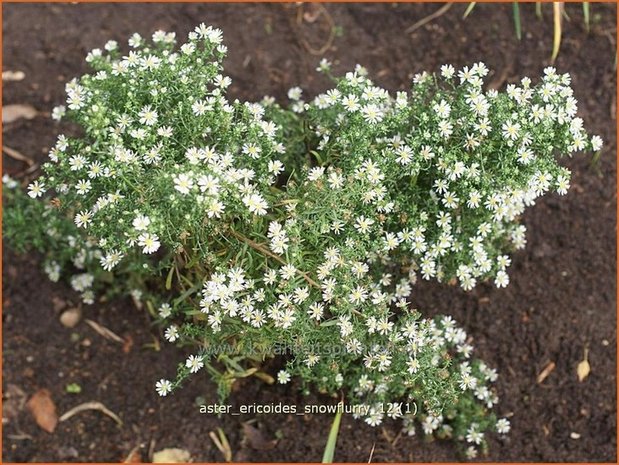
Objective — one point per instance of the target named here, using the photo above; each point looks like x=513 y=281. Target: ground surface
x=561 y=298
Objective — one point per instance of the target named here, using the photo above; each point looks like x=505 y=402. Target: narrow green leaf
x=538 y=10
x=469 y=9
x=556 y=43
x=586 y=14
x=327 y=457
x=516 y=9
x=187 y=293
x=168 y=281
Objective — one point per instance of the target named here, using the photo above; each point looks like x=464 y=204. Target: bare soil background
x=562 y=296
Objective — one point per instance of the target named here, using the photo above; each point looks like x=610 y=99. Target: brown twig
x=321 y=51
x=91 y=406
x=16 y=155
x=105 y=332
x=422 y=22
x=254 y=245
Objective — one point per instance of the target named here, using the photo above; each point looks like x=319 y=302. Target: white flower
x=324 y=65
x=375 y=417
x=9 y=182
x=82 y=282
x=83 y=186
x=110 y=260
x=442 y=109
x=150 y=62
x=525 y=155
x=252 y=150
x=363 y=224
x=474 y=199
x=447 y=71
x=256 y=204
x=111 y=45
x=171 y=334
x=200 y=107
x=474 y=436
x=563 y=184
x=511 y=130
x=194 y=363
x=149 y=243
x=165 y=131
x=141 y=222
x=426 y=153
x=275 y=167
x=83 y=218
x=372 y=114
x=135 y=40
x=148 y=116
x=95 y=169
x=164 y=387
x=188 y=48
x=596 y=143
x=165 y=310
x=295 y=93
x=471 y=452
x=183 y=183
x=404 y=155
x=501 y=279
x=58 y=112
x=445 y=128
x=351 y=103
x=283 y=377
x=36 y=189
x=358 y=295
x=503 y=426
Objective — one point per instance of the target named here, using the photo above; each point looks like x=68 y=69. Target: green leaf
x=187 y=293
x=327 y=457
x=73 y=388
x=469 y=9
x=557 y=8
x=168 y=281
x=586 y=14
x=516 y=9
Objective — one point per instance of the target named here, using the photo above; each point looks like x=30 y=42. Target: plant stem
x=260 y=248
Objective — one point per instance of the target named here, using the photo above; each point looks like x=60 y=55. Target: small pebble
x=71 y=317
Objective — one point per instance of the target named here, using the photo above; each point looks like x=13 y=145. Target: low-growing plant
x=251 y=230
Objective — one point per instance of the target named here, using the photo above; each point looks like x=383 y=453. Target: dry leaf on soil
x=583 y=368
x=13 y=75
x=43 y=410
x=11 y=113
x=13 y=402
x=545 y=372
x=171 y=455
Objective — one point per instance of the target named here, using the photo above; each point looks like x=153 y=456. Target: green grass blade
x=556 y=43
x=469 y=9
x=586 y=14
x=538 y=10
x=168 y=281
x=517 y=20
x=327 y=457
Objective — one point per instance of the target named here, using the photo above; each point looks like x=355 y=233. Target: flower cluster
x=255 y=229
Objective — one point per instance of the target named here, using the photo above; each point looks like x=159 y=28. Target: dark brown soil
x=562 y=297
